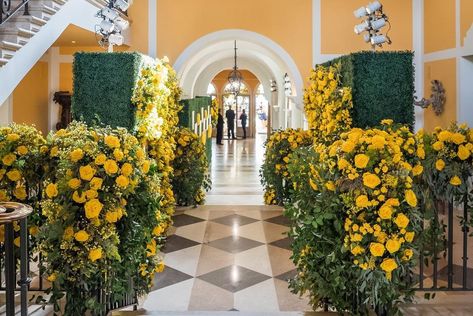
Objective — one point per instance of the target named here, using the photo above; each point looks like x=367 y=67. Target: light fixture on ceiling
x=110 y=28
x=235 y=78
x=375 y=20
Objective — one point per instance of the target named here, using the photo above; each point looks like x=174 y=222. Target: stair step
x=13 y=36
x=3 y=62
x=6 y=53
x=29 y=19
x=25 y=33
x=10 y=45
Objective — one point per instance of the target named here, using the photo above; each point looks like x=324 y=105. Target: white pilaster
x=53 y=86
x=418 y=47
x=459 y=58
x=6 y=111
x=316 y=32
x=152 y=28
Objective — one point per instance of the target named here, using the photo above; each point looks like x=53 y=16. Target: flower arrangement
x=214 y=111
x=275 y=177
x=191 y=169
x=327 y=104
x=97 y=183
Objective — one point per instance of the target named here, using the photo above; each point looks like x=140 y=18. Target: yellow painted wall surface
x=466 y=16
x=439 y=25
x=138 y=14
x=65 y=77
x=338 y=23
x=30 y=98
x=287 y=22
x=445 y=71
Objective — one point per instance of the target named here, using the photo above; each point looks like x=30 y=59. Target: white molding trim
x=316 y=32
x=53 y=86
x=458 y=59
x=418 y=46
x=468 y=42
x=6 y=111
x=152 y=28
x=443 y=54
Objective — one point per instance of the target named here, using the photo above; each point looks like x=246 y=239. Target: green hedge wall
x=103 y=88
x=382 y=84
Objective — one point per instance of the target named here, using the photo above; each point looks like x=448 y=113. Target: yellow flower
x=96 y=183
x=17 y=242
x=79 y=197
x=86 y=172
x=51 y=190
x=3 y=196
x=361 y=161
x=348 y=146
x=357 y=250
x=440 y=164
x=371 y=180
x=127 y=169
x=13 y=137
x=151 y=248
x=54 y=151
x=145 y=166
x=52 y=277
x=111 y=217
x=330 y=186
x=456 y=181
x=22 y=150
x=401 y=220
x=81 y=236
x=95 y=254
x=408 y=253
x=444 y=136
x=378 y=142
x=100 y=159
x=409 y=236
x=417 y=170
x=342 y=163
x=68 y=233
x=74 y=183
x=411 y=198
x=438 y=146
x=463 y=152
x=76 y=155
x=110 y=167
x=377 y=249
x=362 y=201
x=421 y=153
x=118 y=154
x=9 y=159
x=112 y=141
x=93 y=208
x=385 y=212
x=20 y=193
x=14 y=175
x=388 y=265
x=91 y=194
x=393 y=245
x=158 y=230
x=313 y=185
x=122 y=181
x=458 y=138
x=387 y=122
x=34 y=230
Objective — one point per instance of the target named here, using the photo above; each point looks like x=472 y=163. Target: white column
x=53 y=86
x=458 y=59
x=6 y=111
x=316 y=32
x=152 y=28
x=418 y=47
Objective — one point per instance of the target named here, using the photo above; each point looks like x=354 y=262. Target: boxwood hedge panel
x=103 y=88
x=382 y=84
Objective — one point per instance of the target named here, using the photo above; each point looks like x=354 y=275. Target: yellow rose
x=145 y=166
x=409 y=236
x=362 y=201
x=455 y=181
x=52 y=277
x=408 y=253
x=151 y=248
x=377 y=249
x=93 y=208
x=411 y=198
x=393 y=245
x=438 y=146
x=458 y=138
x=118 y=154
x=378 y=142
x=51 y=190
x=330 y=186
x=158 y=230
x=79 y=197
x=444 y=136
x=86 y=172
x=3 y=196
x=20 y=193
x=127 y=169
x=110 y=167
x=100 y=159
x=74 y=183
x=385 y=212
x=388 y=265
x=361 y=161
x=401 y=220
x=387 y=122
x=81 y=236
x=91 y=194
x=22 y=150
x=68 y=233
x=95 y=254
x=54 y=151
x=111 y=217
x=421 y=153
x=417 y=170
x=96 y=183
x=371 y=180
x=76 y=155
x=463 y=152
x=348 y=146
x=13 y=137
x=14 y=175
x=112 y=141
x=342 y=164
x=357 y=250
x=9 y=159
x=122 y=181
x=440 y=165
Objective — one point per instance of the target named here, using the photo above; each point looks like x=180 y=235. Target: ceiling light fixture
x=375 y=20
x=235 y=78
x=110 y=28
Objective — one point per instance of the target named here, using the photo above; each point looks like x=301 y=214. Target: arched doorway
x=239 y=103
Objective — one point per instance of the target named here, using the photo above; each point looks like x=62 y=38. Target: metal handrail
x=6 y=11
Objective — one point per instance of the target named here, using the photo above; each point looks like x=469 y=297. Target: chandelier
x=235 y=78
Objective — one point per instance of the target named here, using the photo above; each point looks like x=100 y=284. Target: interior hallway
x=231 y=254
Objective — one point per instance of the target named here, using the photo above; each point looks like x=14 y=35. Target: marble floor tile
x=280 y=220
x=208 y=297
x=161 y=300
x=195 y=232
x=175 y=243
x=256 y=259
x=168 y=277
x=260 y=297
x=235 y=220
x=289 y=302
x=185 y=260
x=212 y=259
x=234 y=244
x=215 y=231
x=185 y=219
x=234 y=278
x=284 y=243
x=280 y=260
x=199 y=212
x=287 y=275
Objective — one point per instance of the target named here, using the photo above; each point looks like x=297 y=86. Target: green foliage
x=382 y=86
x=103 y=88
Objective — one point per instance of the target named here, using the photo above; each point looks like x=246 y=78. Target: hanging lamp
x=235 y=78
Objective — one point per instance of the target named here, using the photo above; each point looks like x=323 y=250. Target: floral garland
x=275 y=177
x=191 y=169
x=327 y=104
x=92 y=176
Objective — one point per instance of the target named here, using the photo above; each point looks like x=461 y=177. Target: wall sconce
x=437 y=98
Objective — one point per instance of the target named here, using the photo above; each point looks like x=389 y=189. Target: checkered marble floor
x=225 y=258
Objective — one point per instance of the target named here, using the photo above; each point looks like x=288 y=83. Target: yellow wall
x=445 y=71
x=138 y=14
x=466 y=16
x=30 y=98
x=439 y=25
x=65 y=77
x=287 y=22
x=338 y=22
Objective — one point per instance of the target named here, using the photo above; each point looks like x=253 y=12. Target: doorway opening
x=262 y=111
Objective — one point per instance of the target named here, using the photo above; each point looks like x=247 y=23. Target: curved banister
x=7 y=12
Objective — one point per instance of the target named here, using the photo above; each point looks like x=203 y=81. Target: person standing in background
x=220 y=127
x=230 y=115
x=243 y=118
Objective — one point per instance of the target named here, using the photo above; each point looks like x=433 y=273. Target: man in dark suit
x=243 y=118
x=230 y=115
x=220 y=127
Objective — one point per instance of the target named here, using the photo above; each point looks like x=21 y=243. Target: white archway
x=201 y=61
